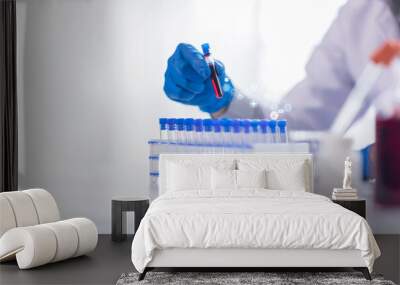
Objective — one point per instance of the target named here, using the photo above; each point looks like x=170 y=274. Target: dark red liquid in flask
x=387 y=191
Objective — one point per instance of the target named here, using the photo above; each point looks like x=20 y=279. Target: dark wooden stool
x=121 y=205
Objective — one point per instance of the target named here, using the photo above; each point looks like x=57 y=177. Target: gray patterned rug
x=269 y=278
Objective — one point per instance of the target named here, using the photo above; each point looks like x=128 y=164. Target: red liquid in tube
x=215 y=82
x=214 y=76
x=387 y=191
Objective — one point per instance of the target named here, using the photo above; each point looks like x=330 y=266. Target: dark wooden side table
x=356 y=206
x=119 y=207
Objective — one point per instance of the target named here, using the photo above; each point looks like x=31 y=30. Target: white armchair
x=31 y=230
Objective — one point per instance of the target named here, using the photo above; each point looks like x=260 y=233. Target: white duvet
x=250 y=219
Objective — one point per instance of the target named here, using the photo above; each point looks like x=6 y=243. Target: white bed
x=203 y=220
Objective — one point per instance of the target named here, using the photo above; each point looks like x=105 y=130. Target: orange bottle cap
x=386 y=53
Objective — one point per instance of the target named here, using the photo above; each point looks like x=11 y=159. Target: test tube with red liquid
x=387 y=187
x=388 y=159
x=214 y=76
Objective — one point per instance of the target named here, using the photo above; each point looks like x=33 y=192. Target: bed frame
x=248 y=259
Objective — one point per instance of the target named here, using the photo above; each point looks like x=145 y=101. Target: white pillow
x=251 y=178
x=223 y=179
x=227 y=179
x=282 y=174
x=290 y=179
x=187 y=177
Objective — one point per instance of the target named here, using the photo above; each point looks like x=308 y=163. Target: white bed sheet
x=250 y=218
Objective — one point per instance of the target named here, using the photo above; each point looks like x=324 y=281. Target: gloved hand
x=188 y=80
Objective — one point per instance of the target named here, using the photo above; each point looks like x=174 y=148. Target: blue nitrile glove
x=188 y=81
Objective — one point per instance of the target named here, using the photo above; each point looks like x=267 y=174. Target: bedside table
x=356 y=206
x=119 y=207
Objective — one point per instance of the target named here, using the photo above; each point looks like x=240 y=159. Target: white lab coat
x=360 y=27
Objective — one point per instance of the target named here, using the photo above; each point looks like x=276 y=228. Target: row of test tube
x=222 y=132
